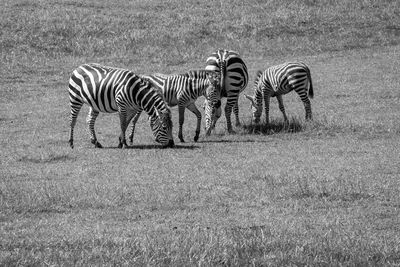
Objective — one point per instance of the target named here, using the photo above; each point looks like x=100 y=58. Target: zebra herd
x=109 y=89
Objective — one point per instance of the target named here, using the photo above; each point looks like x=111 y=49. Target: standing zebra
x=107 y=89
x=277 y=81
x=234 y=78
x=183 y=90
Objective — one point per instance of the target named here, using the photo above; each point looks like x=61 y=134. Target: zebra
x=234 y=79
x=183 y=90
x=109 y=90
x=277 y=81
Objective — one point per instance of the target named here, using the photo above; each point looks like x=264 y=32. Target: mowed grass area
x=320 y=193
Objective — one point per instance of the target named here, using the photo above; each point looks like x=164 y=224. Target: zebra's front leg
x=266 y=106
x=90 y=120
x=282 y=108
x=134 y=121
x=123 y=123
x=181 y=110
x=192 y=107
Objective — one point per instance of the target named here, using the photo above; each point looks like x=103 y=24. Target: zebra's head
x=161 y=124
x=214 y=79
x=256 y=108
x=212 y=104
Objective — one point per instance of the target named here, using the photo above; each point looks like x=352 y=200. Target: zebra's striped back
x=156 y=79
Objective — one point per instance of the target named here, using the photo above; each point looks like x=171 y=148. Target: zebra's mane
x=257 y=80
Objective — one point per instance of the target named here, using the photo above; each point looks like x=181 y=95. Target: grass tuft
x=275 y=126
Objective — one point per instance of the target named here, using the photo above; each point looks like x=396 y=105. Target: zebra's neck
x=199 y=86
x=145 y=96
x=153 y=101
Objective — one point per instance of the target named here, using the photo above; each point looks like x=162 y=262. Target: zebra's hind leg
x=124 y=124
x=236 y=112
x=90 y=120
x=181 y=110
x=192 y=107
x=75 y=108
x=228 y=111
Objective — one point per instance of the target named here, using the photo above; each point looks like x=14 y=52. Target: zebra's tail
x=310 y=87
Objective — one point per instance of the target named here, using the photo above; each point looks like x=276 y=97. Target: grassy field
x=321 y=193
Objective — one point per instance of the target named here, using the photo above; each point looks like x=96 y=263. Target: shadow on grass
x=188 y=147
x=293 y=125
x=47 y=159
x=234 y=141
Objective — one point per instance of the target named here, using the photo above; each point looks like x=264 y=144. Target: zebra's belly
x=276 y=91
x=173 y=102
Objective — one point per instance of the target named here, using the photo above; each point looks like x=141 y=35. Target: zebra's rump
x=98 y=85
x=232 y=68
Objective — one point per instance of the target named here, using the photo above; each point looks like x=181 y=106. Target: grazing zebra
x=107 y=89
x=277 y=81
x=234 y=78
x=183 y=90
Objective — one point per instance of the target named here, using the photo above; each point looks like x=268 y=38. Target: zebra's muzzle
x=170 y=144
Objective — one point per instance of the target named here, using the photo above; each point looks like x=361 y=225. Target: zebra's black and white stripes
x=234 y=79
x=107 y=89
x=183 y=90
x=277 y=81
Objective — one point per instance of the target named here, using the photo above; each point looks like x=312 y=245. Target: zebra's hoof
x=123 y=145
x=98 y=145
x=71 y=143
x=196 y=138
